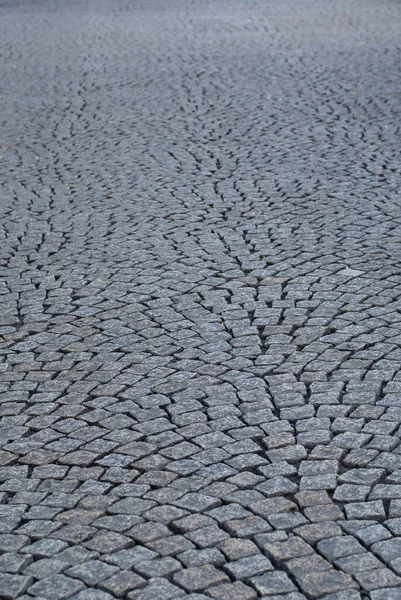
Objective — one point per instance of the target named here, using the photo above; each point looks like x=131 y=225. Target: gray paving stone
x=234 y=549
x=207 y=536
x=122 y=582
x=311 y=563
x=277 y=486
x=248 y=566
x=394 y=525
x=192 y=523
x=323 y=512
x=373 y=533
x=352 y=526
x=74 y=534
x=315 y=585
x=344 y=595
x=108 y=541
x=351 y=493
x=232 y=591
x=157 y=588
x=384 y=492
x=198 y=558
x=282 y=551
x=126 y=559
x=377 y=578
x=287 y=521
x=248 y=527
x=365 y=510
x=13 y=586
x=45 y=567
x=158 y=567
x=199 y=578
x=318 y=531
x=386 y=594
x=387 y=550
x=56 y=587
x=395 y=508
x=75 y=555
x=338 y=547
x=290 y=596
x=228 y=512
x=92 y=595
x=272 y=583
x=12 y=543
x=358 y=563
x=148 y=532
x=91 y=572
x=307 y=498
x=13 y=563
x=319 y=482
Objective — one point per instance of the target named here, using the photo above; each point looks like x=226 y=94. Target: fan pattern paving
x=200 y=245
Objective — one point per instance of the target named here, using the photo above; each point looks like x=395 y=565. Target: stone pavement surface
x=200 y=376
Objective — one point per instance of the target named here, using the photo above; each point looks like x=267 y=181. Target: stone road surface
x=200 y=376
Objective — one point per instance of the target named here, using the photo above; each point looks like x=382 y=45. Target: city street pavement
x=200 y=239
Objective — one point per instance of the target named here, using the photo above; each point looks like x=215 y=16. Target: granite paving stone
x=55 y=587
x=13 y=586
x=386 y=594
x=122 y=582
x=272 y=583
x=199 y=578
x=317 y=584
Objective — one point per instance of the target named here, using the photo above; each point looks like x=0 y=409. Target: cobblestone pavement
x=200 y=380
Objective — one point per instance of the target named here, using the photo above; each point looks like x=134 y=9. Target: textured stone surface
x=200 y=291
